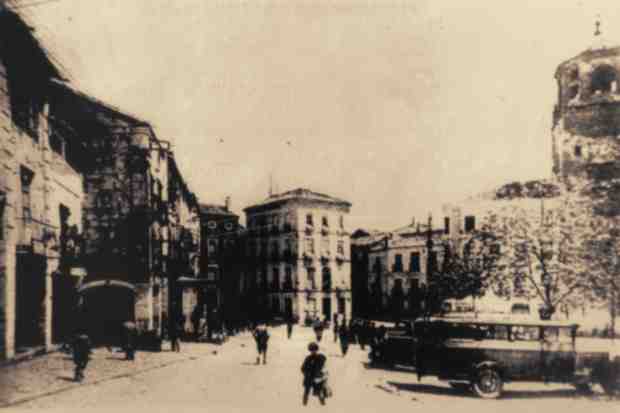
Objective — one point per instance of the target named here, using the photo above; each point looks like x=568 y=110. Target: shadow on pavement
x=64 y=378
x=507 y=394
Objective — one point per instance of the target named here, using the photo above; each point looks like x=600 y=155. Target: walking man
x=335 y=328
x=261 y=336
x=318 y=329
x=174 y=337
x=129 y=331
x=289 y=326
x=314 y=375
x=344 y=339
x=81 y=354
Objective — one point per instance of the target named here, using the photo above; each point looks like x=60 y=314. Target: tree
x=467 y=267
x=543 y=256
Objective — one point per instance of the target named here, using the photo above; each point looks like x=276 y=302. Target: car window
x=557 y=334
x=525 y=333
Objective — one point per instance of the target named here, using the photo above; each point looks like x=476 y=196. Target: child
x=315 y=376
x=81 y=354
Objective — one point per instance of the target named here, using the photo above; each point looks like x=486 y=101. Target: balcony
x=309 y=229
x=325 y=231
x=340 y=258
x=325 y=257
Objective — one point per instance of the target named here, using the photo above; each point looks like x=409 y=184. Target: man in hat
x=261 y=336
x=81 y=353
x=130 y=333
x=314 y=375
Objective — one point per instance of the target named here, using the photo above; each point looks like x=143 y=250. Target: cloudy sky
x=398 y=106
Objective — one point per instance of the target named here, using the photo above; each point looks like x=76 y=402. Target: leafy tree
x=543 y=254
x=468 y=266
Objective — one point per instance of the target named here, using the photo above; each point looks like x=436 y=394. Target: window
x=327 y=279
x=325 y=222
x=340 y=247
x=524 y=333
x=578 y=151
x=311 y=279
x=604 y=80
x=446 y=225
x=309 y=220
x=25 y=109
x=310 y=245
x=470 y=223
x=325 y=246
x=276 y=279
x=26 y=176
x=377 y=267
x=341 y=221
x=414 y=265
x=212 y=247
x=398 y=263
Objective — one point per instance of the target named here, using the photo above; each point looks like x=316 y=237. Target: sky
x=397 y=106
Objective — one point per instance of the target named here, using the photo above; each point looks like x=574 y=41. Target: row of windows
x=309 y=247
x=469 y=224
x=277 y=220
x=414 y=263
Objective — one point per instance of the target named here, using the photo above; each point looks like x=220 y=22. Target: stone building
x=183 y=251
x=137 y=216
x=586 y=123
x=222 y=263
x=398 y=268
x=298 y=251
x=41 y=194
x=361 y=242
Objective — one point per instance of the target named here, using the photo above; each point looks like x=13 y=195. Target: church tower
x=586 y=119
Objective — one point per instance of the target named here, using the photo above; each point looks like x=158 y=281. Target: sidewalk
x=53 y=372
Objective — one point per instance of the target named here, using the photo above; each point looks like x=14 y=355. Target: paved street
x=230 y=381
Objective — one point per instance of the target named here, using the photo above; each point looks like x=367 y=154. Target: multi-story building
x=131 y=208
x=399 y=265
x=298 y=249
x=222 y=264
x=183 y=249
x=361 y=241
x=41 y=195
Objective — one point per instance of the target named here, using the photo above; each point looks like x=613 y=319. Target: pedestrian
x=315 y=376
x=344 y=339
x=129 y=334
x=318 y=329
x=82 y=349
x=261 y=336
x=364 y=334
x=289 y=326
x=335 y=329
x=174 y=337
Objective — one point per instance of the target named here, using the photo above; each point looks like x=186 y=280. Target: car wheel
x=488 y=384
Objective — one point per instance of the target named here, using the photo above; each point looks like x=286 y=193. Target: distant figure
x=130 y=333
x=289 y=326
x=261 y=336
x=315 y=376
x=344 y=339
x=318 y=329
x=81 y=354
x=195 y=319
x=173 y=334
x=335 y=328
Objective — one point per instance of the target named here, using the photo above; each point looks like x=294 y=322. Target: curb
x=91 y=383
x=30 y=355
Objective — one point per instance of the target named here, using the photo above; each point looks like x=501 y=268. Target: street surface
x=230 y=381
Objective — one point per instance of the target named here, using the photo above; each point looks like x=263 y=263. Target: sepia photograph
x=324 y=205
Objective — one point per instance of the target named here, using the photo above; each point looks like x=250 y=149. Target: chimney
x=413 y=222
x=227 y=203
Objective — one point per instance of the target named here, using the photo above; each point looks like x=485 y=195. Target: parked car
x=483 y=355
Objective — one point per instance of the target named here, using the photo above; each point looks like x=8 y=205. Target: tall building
x=298 y=251
x=221 y=263
x=41 y=196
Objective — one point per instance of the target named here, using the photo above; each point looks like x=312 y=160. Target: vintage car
x=484 y=354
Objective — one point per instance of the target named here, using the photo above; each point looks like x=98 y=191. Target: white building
x=299 y=250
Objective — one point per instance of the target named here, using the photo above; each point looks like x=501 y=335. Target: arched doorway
x=105 y=305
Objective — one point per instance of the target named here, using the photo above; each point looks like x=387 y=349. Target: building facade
x=41 y=194
x=222 y=263
x=298 y=251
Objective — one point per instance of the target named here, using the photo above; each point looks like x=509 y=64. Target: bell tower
x=586 y=118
